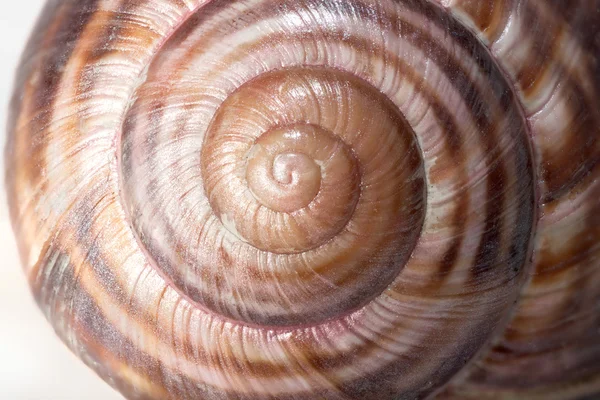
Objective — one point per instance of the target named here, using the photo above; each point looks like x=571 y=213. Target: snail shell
x=358 y=199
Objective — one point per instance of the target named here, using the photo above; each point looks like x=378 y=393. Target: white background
x=34 y=364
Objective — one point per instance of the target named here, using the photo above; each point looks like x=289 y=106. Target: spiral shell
x=341 y=199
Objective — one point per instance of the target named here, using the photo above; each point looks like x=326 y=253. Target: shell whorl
x=284 y=183
x=365 y=199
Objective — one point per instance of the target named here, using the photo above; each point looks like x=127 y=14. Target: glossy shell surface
x=315 y=199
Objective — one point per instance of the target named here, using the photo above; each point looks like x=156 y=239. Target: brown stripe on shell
x=550 y=34
x=40 y=70
x=60 y=45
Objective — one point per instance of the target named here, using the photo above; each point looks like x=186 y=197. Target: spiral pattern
x=365 y=199
x=287 y=186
